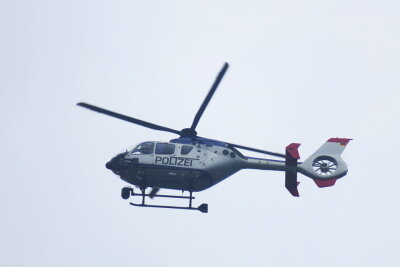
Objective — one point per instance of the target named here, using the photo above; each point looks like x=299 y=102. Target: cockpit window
x=162 y=148
x=144 y=148
x=186 y=150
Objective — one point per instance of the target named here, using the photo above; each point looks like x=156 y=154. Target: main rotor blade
x=130 y=119
x=209 y=96
x=258 y=150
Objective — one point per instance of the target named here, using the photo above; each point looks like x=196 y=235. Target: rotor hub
x=188 y=132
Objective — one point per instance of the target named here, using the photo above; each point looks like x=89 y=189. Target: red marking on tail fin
x=325 y=183
x=292 y=149
x=292 y=155
x=342 y=141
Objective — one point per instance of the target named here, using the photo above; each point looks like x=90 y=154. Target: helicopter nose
x=109 y=165
x=116 y=164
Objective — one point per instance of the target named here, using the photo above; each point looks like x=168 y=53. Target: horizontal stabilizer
x=291 y=183
x=292 y=155
x=293 y=151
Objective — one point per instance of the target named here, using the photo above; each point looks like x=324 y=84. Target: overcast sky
x=301 y=71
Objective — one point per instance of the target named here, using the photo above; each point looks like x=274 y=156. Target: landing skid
x=203 y=207
x=128 y=192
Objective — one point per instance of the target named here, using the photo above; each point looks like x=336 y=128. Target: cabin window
x=186 y=150
x=162 y=148
x=144 y=148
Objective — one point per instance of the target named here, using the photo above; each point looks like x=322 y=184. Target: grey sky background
x=301 y=71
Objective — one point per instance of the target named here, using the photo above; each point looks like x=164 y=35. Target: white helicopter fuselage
x=188 y=167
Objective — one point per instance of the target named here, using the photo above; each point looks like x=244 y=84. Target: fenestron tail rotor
x=324 y=165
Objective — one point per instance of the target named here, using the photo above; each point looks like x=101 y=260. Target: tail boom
x=324 y=166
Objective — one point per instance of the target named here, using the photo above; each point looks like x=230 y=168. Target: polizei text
x=175 y=161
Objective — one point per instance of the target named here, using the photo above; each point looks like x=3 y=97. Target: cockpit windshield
x=144 y=148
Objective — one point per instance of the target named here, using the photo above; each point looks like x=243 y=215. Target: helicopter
x=192 y=163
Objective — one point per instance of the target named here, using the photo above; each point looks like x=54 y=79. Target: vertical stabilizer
x=326 y=164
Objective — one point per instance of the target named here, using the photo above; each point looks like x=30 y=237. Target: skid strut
x=202 y=208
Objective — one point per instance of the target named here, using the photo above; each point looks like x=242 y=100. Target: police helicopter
x=192 y=163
